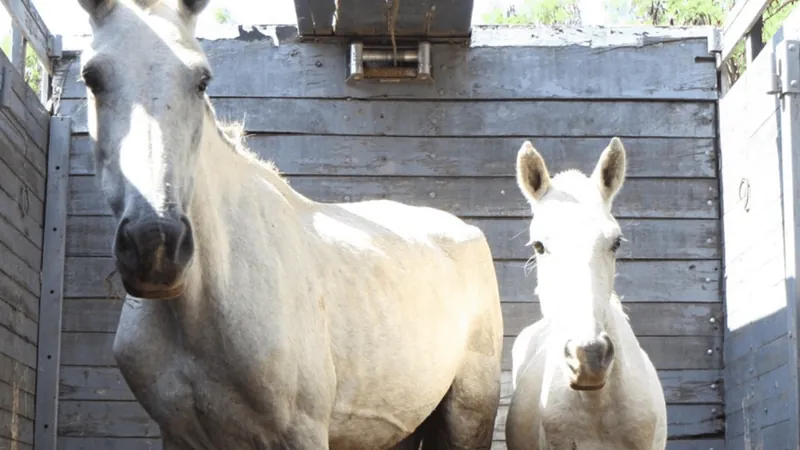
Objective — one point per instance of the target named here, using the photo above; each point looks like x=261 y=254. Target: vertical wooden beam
x=51 y=299
x=18 y=50
x=788 y=59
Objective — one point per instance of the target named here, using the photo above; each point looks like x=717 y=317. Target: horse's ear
x=194 y=7
x=97 y=8
x=610 y=170
x=533 y=178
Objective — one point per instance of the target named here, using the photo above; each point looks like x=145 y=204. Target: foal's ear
x=533 y=178
x=97 y=8
x=610 y=170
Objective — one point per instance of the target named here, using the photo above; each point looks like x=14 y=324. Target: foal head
x=146 y=78
x=576 y=238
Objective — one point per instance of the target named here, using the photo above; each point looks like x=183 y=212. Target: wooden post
x=50 y=302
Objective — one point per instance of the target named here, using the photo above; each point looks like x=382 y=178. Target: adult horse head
x=581 y=379
x=146 y=77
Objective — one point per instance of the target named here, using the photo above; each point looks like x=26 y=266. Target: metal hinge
x=715 y=40
x=54 y=46
x=5 y=87
x=387 y=63
x=786 y=68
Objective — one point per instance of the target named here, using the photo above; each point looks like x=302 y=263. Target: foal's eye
x=539 y=247
x=616 y=244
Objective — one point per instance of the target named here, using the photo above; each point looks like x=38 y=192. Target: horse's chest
x=581 y=427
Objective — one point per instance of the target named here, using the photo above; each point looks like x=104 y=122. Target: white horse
x=258 y=318
x=581 y=381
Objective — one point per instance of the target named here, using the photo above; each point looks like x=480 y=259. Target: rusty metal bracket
x=378 y=62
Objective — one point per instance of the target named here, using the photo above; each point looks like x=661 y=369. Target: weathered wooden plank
x=17 y=296
x=107 y=443
x=683 y=421
x=773 y=436
x=17 y=270
x=32 y=150
x=647 y=238
x=19 y=112
x=582 y=63
x=14 y=122
x=12 y=154
x=15 y=427
x=757 y=360
x=28 y=203
x=26 y=251
x=466 y=197
x=646 y=318
x=456 y=118
x=315 y=17
x=128 y=419
x=17 y=374
x=52 y=282
x=738 y=22
x=15 y=321
x=667 y=352
x=16 y=401
x=417 y=18
x=25 y=223
x=462 y=157
x=17 y=348
x=655 y=281
x=107 y=384
x=8 y=444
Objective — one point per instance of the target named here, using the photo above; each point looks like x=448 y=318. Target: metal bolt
x=792 y=47
x=432 y=195
x=709 y=351
x=708 y=241
x=503 y=191
x=441 y=91
x=346 y=117
x=713 y=386
x=347 y=198
x=709 y=203
x=708 y=280
x=713 y=410
x=712 y=320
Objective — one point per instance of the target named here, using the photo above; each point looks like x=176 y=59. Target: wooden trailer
x=708 y=208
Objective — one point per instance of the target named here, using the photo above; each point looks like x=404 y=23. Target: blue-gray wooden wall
x=24 y=125
x=761 y=366
x=453 y=145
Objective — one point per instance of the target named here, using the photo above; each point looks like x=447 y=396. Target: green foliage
x=223 y=16
x=33 y=70
x=545 y=12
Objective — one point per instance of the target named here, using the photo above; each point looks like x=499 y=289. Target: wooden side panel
x=761 y=390
x=453 y=146
x=24 y=125
x=417 y=18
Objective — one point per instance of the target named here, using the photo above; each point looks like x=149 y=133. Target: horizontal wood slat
x=456 y=118
x=416 y=18
x=646 y=238
x=499 y=64
x=654 y=281
x=666 y=352
x=84 y=383
x=647 y=318
x=454 y=157
x=129 y=420
x=466 y=197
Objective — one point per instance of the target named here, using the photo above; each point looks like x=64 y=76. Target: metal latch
x=785 y=68
x=389 y=64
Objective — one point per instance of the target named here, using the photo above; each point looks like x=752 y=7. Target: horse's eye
x=539 y=247
x=617 y=242
x=92 y=79
x=203 y=84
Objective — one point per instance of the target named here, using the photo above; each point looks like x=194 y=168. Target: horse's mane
x=232 y=133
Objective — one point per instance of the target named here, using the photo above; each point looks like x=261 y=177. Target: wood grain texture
x=24 y=104
x=758 y=386
x=454 y=157
x=499 y=64
x=456 y=118
x=15 y=321
x=465 y=197
x=128 y=420
x=13 y=372
x=667 y=352
x=84 y=383
x=15 y=427
x=417 y=18
x=654 y=281
x=19 y=297
x=16 y=401
x=646 y=238
x=315 y=17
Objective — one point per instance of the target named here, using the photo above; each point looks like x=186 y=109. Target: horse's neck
x=237 y=202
